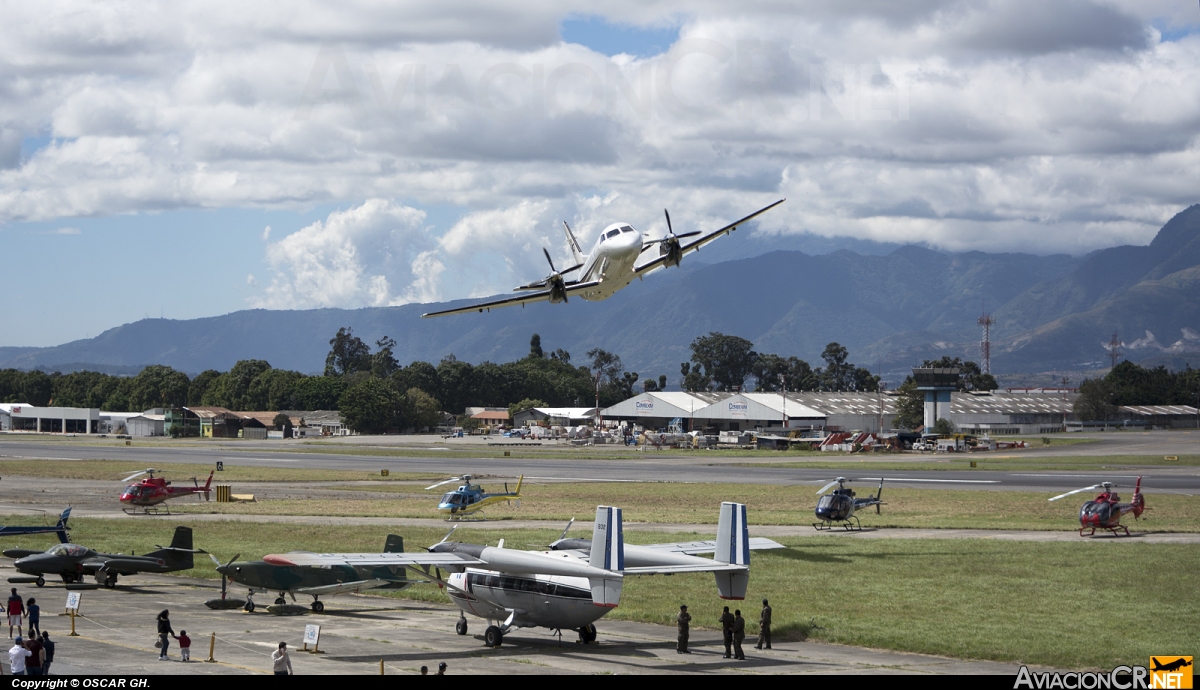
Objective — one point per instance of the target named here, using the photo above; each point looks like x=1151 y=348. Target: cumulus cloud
x=965 y=124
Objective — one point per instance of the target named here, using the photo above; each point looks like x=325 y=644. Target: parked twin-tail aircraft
x=566 y=588
x=615 y=260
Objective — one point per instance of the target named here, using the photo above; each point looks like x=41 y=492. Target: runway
x=698 y=467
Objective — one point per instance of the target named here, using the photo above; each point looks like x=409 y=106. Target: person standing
x=280 y=661
x=16 y=609
x=726 y=621
x=48 y=646
x=185 y=646
x=764 y=625
x=33 y=665
x=739 y=634
x=17 y=656
x=441 y=668
x=682 y=621
x=34 y=613
x=165 y=633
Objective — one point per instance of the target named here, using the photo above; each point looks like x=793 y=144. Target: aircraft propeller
x=1102 y=485
x=669 y=246
x=223 y=569
x=554 y=281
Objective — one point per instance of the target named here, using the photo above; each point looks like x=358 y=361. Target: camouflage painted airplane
x=261 y=576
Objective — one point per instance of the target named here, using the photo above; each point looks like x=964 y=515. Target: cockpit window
x=613 y=233
x=450 y=498
x=67 y=550
x=626 y=229
x=133 y=490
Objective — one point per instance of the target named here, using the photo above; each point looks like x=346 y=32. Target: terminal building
x=52 y=420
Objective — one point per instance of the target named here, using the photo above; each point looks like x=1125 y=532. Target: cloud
x=351 y=259
x=964 y=124
x=251 y=280
x=61 y=231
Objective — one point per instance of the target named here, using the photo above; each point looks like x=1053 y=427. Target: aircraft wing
x=703 y=240
x=374 y=560
x=343 y=587
x=714 y=567
x=692 y=548
x=526 y=298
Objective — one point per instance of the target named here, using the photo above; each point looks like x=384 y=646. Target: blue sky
x=142 y=158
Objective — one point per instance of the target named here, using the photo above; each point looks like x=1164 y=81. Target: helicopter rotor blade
x=1093 y=487
x=452 y=479
x=136 y=474
x=827 y=487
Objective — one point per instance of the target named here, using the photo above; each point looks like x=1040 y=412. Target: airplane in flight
x=568 y=587
x=615 y=260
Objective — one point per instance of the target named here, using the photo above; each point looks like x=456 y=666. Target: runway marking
x=1113 y=476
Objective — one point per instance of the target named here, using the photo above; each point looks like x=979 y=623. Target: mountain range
x=891 y=308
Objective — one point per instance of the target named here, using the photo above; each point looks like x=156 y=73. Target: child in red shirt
x=185 y=645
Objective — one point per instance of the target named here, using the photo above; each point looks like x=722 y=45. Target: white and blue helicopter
x=612 y=264
x=469 y=498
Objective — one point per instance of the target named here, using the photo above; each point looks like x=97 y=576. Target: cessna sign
x=738 y=408
x=644 y=407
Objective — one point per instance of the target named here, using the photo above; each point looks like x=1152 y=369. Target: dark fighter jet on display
x=261 y=576
x=73 y=562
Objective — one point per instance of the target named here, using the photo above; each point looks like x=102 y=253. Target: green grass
x=1087 y=604
x=1006 y=460
x=768 y=504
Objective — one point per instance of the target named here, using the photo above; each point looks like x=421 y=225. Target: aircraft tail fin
x=394 y=544
x=1139 y=501
x=733 y=547
x=182 y=540
x=573 y=244
x=61 y=532
x=608 y=553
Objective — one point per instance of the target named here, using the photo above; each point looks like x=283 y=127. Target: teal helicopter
x=469 y=499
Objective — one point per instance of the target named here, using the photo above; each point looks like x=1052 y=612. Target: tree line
x=724 y=362
x=1131 y=384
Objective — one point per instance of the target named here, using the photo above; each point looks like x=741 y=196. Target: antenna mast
x=1114 y=349
x=985 y=346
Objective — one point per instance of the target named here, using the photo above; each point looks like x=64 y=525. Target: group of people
x=733 y=630
x=34 y=655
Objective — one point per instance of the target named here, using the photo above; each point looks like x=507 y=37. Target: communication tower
x=985 y=346
x=1114 y=349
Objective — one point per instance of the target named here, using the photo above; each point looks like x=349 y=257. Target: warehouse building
x=656 y=409
x=554 y=416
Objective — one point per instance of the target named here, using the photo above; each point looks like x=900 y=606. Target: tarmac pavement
x=117 y=634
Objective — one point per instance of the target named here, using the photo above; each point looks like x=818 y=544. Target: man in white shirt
x=17 y=656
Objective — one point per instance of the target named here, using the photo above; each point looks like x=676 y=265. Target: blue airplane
x=60 y=529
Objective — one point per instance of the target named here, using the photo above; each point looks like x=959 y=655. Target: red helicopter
x=1105 y=511
x=152 y=491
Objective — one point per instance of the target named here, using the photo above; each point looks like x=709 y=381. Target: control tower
x=937 y=385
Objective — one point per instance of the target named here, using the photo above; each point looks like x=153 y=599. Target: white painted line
x=1113 y=476
x=921 y=481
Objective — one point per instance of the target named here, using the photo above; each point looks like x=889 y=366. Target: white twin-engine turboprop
x=613 y=263
x=568 y=587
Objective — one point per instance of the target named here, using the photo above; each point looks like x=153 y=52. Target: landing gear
x=318 y=606
x=280 y=601
x=493 y=637
x=460 y=626
x=587 y=634
x=111 y=581
x=40 y=582
x=249 y=607
x=851 y=524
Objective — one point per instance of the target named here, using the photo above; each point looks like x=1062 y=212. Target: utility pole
x=783 y=385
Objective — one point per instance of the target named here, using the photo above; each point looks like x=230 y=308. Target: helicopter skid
x=1116 y=531
x=851 y=525
x=147 y=510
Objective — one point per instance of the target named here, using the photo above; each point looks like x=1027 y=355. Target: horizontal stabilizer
x=710 y=567
x=692 y=548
